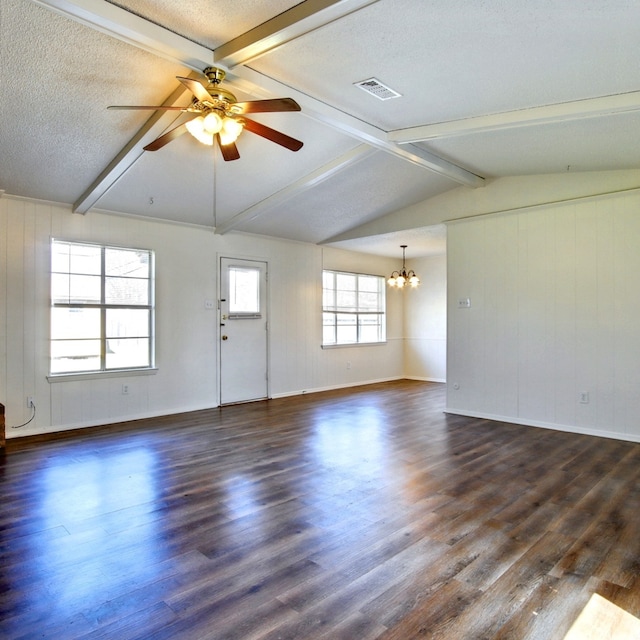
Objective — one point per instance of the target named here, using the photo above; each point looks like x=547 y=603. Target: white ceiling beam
x=548 y=114
x=130 y=28
x=152 y=128
x=299 y=186
x=293 y=23
x=247 y=79
x=133 y=29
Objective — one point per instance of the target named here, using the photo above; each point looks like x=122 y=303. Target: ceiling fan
x=214 y=113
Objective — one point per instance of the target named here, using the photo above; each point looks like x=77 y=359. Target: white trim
x=301 y=392
x=99 y=375
x=547 y=114
x=426 y=379
x=300 y=19
x=615 y=435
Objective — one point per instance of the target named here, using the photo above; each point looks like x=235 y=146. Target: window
x=101 y=308
x=353 y=308
x=244 y=292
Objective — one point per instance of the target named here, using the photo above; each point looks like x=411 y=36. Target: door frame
x=218 y=333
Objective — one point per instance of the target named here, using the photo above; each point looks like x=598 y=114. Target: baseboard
x=423 y=379
x=300 y=392
x=567 y=428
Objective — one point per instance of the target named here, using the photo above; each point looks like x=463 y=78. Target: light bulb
x=391 y=281
x=212 y=122
x=196 y=128
x=414 y=281
x=230 y=131
x=400 y=281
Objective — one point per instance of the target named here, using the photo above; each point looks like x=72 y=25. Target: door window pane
x=244 y=290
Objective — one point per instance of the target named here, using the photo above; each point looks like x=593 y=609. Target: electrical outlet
x=348 y=364
x=125 y=389
x=584 y=397
x=30 y=402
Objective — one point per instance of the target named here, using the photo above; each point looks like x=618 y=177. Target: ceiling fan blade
x=159 y=108
x=166 y=138
x=271 y=134
x=229 y=151
x=196 y=88
x=265 y=106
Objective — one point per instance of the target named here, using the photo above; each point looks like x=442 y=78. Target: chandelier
x=401 y=279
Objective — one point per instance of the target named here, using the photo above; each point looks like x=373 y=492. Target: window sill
x=352 y=344
x=97 y=375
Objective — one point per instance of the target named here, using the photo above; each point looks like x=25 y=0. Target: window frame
x=103 y=307
x=357 y=311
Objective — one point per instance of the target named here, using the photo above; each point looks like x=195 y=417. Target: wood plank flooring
x=358 y=514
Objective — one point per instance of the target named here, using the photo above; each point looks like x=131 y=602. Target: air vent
x=377 y=89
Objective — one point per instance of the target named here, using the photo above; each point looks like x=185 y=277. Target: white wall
x=186 y=346
x=425 y=324
x=555 y=309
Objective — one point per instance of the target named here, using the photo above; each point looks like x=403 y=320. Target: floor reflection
x=84 y=541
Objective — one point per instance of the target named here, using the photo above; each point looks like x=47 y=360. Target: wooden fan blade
x=159 y=108
x=166 y=138
x=271 y=134
x=196 y=88
x=265 y=106
x=229 y=151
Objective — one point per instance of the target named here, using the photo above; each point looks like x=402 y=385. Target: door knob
x=225 y=337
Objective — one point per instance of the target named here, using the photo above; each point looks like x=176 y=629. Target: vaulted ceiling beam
x=121 y=24
x=152 y=128
x=312 y=179
x=300 y=19
x=548 y=114
x=133 y=29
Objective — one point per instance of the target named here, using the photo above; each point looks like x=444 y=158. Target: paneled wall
x=186 y=345
x=552 y=334
x=426 y=321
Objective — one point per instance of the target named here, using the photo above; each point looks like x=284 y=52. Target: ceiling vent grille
x=377 y=89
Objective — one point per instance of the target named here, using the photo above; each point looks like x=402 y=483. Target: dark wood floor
x=357 y=514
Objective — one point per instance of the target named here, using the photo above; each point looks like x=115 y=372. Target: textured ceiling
x=488 y=90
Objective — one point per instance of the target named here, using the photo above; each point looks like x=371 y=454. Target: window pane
x=368 y=301
x=85 y=289
x=370 y=328
x=127 y=263
x=60 y=260
x=127 y=323
x=347 y=330
x=78 y=324
x=68 y=356
x=126 y=291
x=346 y=281
x=328 y=328
x=369 y=283
x=125 y=353
x=85 y=259
x=244 y=290
x=59 y=287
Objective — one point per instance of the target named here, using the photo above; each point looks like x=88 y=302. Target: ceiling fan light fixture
x=230 y=130
x=196 y=128
x=212 y=123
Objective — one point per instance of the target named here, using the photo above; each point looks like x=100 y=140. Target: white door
x=243 y=330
